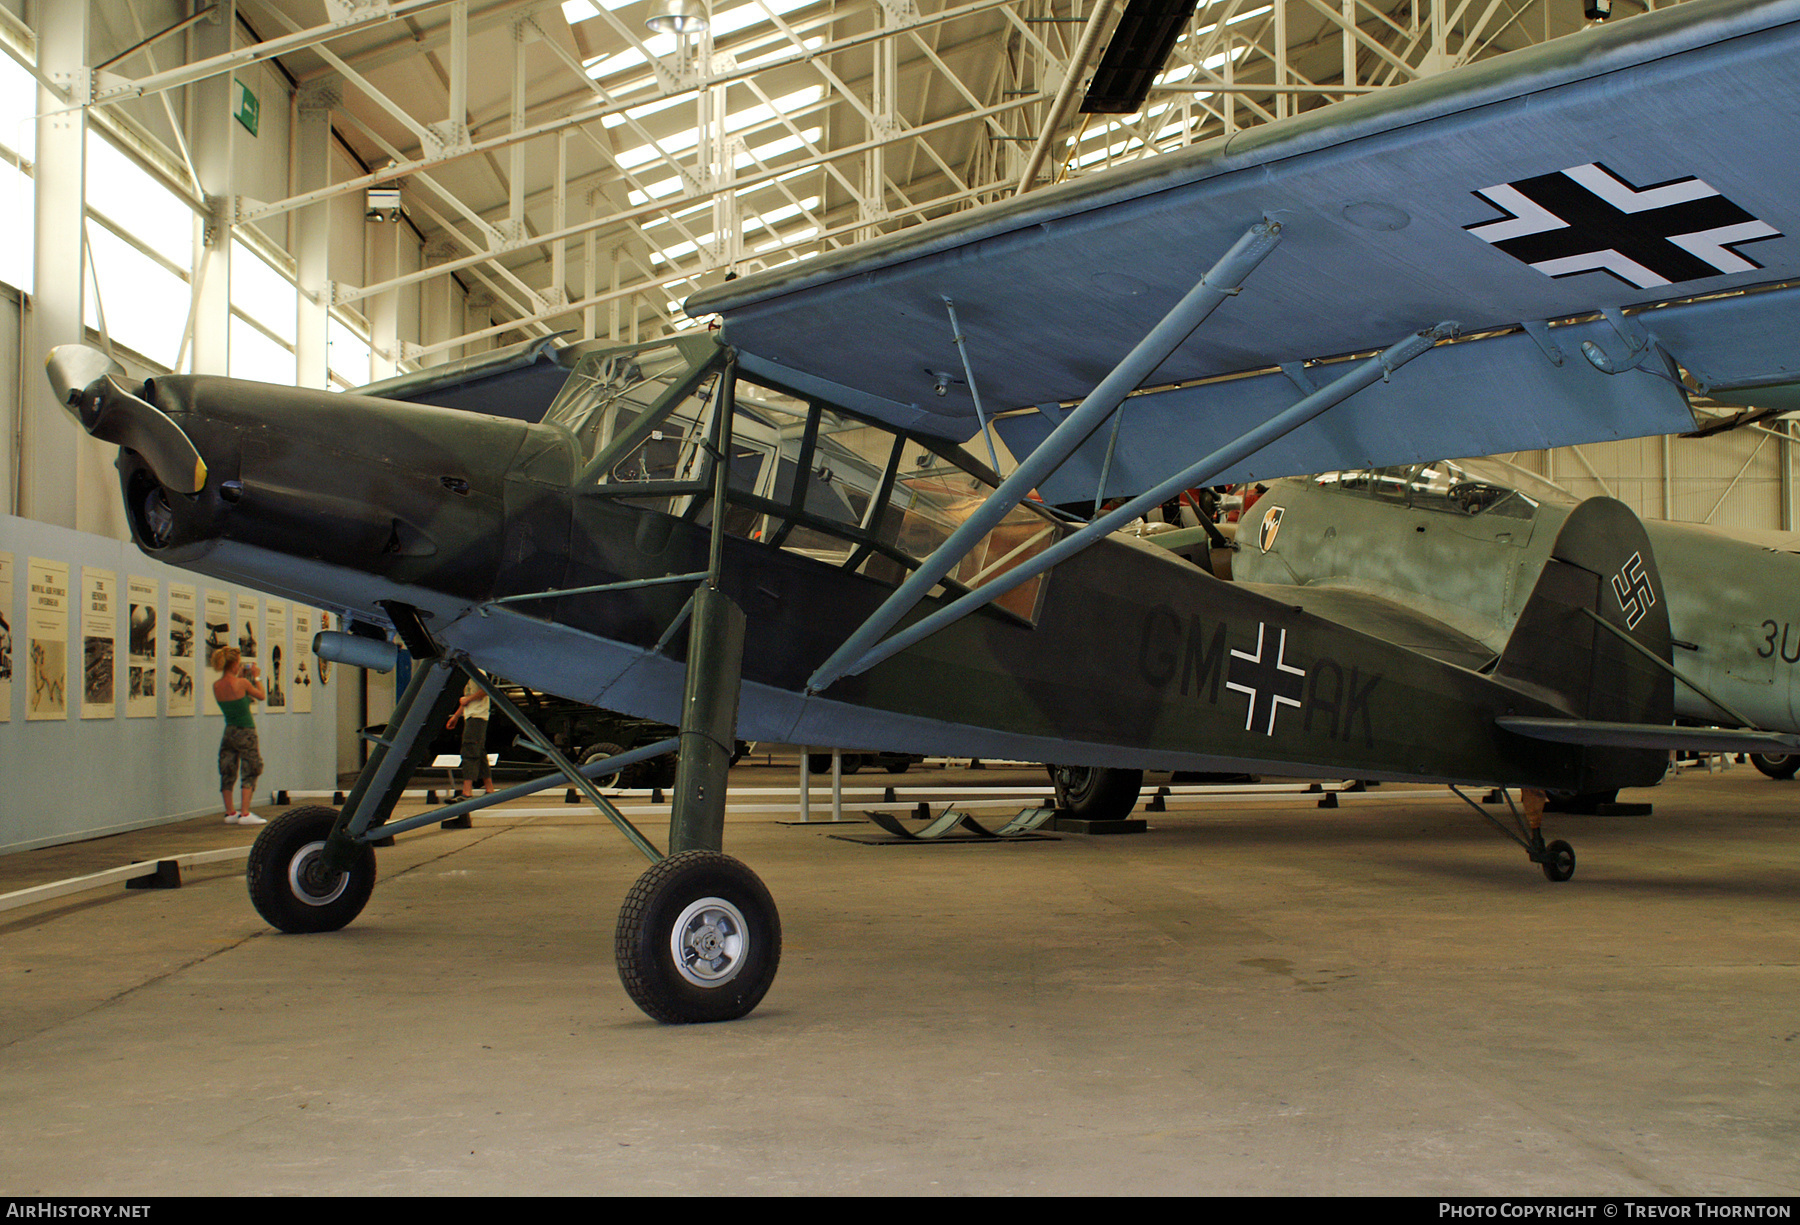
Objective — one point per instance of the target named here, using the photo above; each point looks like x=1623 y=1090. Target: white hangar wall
x=102 y=767
x=75 y=777
x=1742 y=479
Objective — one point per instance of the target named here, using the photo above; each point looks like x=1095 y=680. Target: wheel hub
x=311 y=882
x=709 y=942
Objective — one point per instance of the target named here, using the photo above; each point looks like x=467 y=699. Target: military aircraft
x=1442 y=556
x=773 y=530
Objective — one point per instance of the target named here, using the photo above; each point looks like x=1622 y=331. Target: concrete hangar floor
x=1264 y=998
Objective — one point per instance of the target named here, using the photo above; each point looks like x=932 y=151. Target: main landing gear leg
x=699 y=938
x=312 y=869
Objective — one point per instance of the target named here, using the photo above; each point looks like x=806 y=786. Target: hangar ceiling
x=589 y=174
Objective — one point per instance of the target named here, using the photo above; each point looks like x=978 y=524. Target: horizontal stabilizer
x=1652 y=736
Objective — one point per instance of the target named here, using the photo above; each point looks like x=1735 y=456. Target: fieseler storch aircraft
x=1443 y=557
x=773 y=530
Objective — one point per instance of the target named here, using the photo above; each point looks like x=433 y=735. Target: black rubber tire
x=899 y=767
x=739 y=920
x=1096 y=793
x=1777 y=765
x=600 y=752
x=278 y=877
x=1560 y=866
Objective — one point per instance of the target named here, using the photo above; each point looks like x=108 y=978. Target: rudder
x=1601 y=566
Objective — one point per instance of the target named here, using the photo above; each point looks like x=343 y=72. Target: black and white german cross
x=1263 y=678
x=1588 y=219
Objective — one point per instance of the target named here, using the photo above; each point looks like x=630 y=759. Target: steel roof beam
x=257 y=212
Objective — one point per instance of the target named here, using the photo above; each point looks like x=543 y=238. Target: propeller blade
x=113 y=414
x=75 y=368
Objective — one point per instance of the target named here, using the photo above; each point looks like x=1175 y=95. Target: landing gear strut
x=1557 y=859
x=699 y=938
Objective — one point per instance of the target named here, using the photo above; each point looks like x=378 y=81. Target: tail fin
x=1601 y=567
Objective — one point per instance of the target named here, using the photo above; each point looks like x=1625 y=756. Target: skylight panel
x=770 y=149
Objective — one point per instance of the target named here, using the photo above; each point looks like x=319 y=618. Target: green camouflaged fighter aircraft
x=775 y=531
x=1442 y=557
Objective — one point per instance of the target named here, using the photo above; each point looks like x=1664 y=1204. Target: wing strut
x=1340 y=389
x=1219 y=283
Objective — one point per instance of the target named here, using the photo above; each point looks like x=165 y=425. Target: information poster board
x=99 y=642
x=47 y=631
x=246 y=631
x=6 y=638
x=143 y=632
x=218 y=629
x=275 y=639
x=300 y=676
x=183 y=653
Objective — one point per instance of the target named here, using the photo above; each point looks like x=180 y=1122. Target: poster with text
x=300 y=676
x=99 y=642
x=6 y=640
x=143 y=631
x=218 y=631
x=183 y=650
x=276 y=643
x=47 y=633
x=245 y=630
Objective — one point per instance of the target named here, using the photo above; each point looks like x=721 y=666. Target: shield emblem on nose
x=1271 y=523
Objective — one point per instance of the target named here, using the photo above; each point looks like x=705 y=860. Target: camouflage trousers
x=475 y=767
x=238 y=754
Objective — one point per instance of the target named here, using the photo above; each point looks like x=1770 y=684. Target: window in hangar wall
x=140 y=246
x=18 y=147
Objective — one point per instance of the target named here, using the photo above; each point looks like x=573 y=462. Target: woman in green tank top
x=238 y=751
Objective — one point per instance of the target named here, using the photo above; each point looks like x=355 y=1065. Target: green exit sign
x=246 y=107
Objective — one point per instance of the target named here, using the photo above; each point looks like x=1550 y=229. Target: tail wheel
x=698 y=939
x=1096 y=793
x=290 y=885
x=1558 y=861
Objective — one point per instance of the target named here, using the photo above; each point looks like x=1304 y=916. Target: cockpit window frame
x=863 y=539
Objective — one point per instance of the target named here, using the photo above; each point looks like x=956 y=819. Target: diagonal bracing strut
x=1202 y=473
x=1219 y=283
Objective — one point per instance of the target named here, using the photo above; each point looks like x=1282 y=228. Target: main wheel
x=1776 y=765
x=1096 y=793
x=289 y=883
x=600 y=752
x=1560 y=865
x=698 y=939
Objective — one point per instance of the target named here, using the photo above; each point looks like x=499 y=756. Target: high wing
x=1604 y=196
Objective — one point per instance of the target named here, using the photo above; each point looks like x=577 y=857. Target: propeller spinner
x=91 y=386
